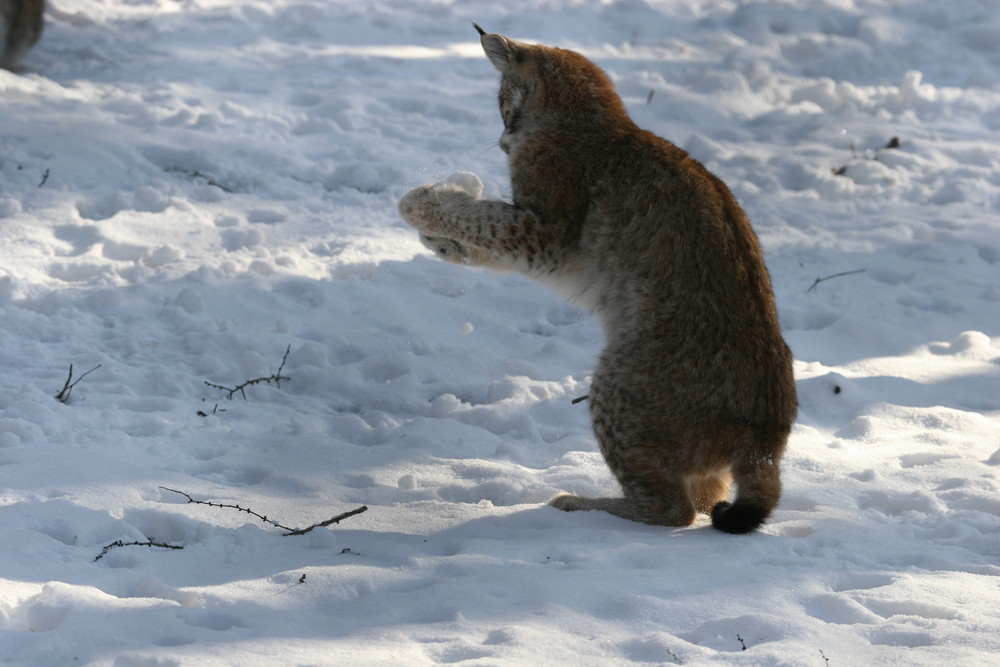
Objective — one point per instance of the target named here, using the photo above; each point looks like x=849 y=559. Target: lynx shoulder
x=21 y=24
x=694 y=389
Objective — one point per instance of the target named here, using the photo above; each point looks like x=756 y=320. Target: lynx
x=694 y=389
x=20 y=27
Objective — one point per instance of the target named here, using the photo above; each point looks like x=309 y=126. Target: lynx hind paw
x=567 y=502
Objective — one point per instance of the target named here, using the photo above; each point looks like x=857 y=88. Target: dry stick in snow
x=812 y=288
x=197 y=174
x=67 y=389
x=276 y=379
x=148 y=543
x=290 y=531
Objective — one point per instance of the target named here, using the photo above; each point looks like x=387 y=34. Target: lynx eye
x=512 y=120
x=510 y=108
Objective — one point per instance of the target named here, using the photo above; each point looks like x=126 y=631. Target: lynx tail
x=738 y=518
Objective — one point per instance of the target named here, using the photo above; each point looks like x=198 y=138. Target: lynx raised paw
x=424 y=207
x=451 y=250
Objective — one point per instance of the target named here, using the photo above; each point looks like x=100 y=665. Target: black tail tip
x=740 y=518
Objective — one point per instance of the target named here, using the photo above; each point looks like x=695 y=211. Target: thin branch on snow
x=289 y=531
x=276 y=379
x=812 y=288
x=63 y=395
x=197 y=174
x=148 y=543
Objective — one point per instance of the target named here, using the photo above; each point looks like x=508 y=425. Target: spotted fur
x=694 y=388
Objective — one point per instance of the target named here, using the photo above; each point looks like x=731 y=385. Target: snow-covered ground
x=190 y=188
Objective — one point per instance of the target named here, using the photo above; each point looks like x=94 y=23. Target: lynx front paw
x=425 y=206
x=416 y=205
x=449 y=250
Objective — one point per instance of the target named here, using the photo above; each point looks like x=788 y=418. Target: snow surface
x=190 y=188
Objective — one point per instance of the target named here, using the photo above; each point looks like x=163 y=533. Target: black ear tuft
x=501 y=51
x=476 y=26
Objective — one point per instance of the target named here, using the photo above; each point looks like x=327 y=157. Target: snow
x=190 y=188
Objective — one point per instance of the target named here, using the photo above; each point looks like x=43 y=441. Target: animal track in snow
x=81 y=237
x=923 y=459
x=210 y=620
x=219 y=472
x=859 y=581
x=791 y=529
x=144 y=199
x=459 y=651
x=734 y=635
x=840 y=610
x=888 y=637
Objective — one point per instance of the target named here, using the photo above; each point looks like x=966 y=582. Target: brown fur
x=21 y=24
x=695 y=384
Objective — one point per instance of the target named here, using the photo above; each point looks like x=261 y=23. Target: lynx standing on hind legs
x=694 y=389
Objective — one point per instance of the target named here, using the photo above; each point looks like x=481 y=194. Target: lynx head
x=543 y=88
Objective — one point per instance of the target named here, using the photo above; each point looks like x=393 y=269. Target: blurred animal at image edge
x=20 y=27
x=694 y=389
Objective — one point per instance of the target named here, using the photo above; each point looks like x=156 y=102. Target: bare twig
x=276 y=379
x=580 y=399
x=324 y=524
x=202 y=413
x=148 y=543
x=197 y=174
x=812 y=288
x=45 y=178
x=63 y=395
x=742 y=643
x=289 y=531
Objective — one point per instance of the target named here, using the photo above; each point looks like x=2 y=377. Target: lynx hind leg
x=653 y=494
x=662 y=507
x=669 y=505
x=451 y=250
x=637 y=453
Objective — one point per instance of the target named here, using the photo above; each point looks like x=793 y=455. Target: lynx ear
x=500 y=50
